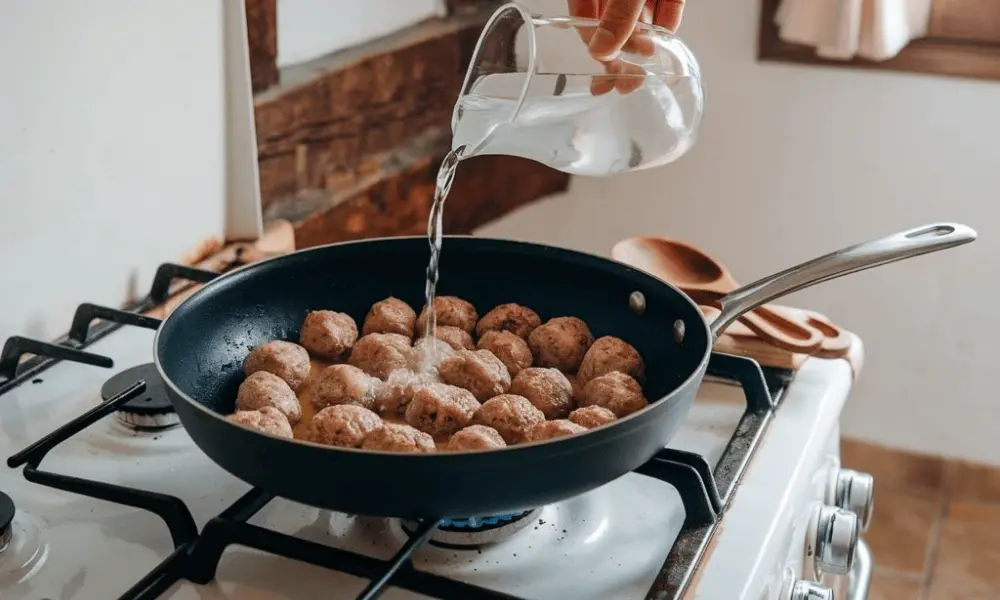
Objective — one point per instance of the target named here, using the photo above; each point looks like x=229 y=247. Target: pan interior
x=202 y=345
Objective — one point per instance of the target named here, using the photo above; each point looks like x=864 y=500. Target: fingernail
x=602 y=45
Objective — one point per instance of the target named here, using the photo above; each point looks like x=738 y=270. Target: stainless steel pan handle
x=873 y=253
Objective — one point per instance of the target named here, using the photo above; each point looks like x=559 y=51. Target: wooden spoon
x=706 y=281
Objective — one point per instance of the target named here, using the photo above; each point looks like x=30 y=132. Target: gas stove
x=105 y=496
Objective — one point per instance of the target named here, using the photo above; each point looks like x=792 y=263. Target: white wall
x=113 y=138
x=308 y=29
x=795 y=161
x=112 y=150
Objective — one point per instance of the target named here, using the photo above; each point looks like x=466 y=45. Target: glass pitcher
x=533 y=90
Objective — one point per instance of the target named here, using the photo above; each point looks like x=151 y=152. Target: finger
x=639 y=43
x=631 y=77
x=585 y=9
x=602 y=84
x=668 y=14
x=617 y=23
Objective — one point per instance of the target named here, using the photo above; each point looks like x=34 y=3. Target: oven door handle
x=861 y=576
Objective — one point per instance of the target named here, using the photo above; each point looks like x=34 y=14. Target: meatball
x=267 y=420
x=396 y=437
x=393 y=396
x=428 y=353
x=344 y=384
x=441 y=409
x=611 y=354
x=561 y=343
x=379 y=354
x=547 y=389
x=391 y=315
x=344 y=425
x=550 y=430
x=512 y=416
x=512 y=351
x=458 y=339
x=451 y=312
x=577 y=385
x=285 y=359
x=478 y=371
x=517 y=319
x=615 y=391
x=328 y=334
x=267 y=389
x=476 y=437
x=592 y=416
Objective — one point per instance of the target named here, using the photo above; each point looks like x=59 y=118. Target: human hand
x=618 y=20
x=617 y=32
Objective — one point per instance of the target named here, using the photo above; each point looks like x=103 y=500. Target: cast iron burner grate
x=152 y=410
x=704 y=491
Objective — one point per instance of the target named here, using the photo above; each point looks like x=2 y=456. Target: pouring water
x=533 y=90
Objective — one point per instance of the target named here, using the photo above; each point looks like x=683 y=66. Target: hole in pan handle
x=859 y=257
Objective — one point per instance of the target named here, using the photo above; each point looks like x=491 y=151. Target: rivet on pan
x=637 y=302
x=678 y=331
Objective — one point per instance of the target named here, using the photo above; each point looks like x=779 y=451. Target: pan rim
x=567 y=441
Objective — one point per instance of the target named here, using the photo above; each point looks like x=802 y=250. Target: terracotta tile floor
x=934 y=543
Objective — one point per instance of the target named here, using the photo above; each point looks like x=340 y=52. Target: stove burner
x=475 y=532
x=152 y=410
x=6 y=521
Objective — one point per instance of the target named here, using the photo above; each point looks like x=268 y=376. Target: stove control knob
x=855 y=492
x=809 y=590
x=836 y=540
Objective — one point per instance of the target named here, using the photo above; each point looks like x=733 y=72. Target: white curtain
x=844 y=29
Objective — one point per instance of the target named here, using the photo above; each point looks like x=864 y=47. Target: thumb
x=616 y=26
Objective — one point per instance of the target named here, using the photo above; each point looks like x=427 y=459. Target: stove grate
x=705 y=491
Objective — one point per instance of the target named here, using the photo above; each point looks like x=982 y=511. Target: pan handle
x=873 y=253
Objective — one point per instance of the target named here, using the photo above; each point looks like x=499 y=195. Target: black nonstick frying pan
x=200 y=347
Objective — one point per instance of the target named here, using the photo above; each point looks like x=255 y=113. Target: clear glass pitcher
x=533 y=90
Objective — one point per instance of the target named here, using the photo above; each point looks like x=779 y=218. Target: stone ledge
x=396 y=195
x=349 y=144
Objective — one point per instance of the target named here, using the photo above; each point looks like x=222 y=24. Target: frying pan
x=200 y=347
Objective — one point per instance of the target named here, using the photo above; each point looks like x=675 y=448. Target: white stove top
x=606 y=545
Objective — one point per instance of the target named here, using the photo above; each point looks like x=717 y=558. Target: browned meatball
x=478 y=371
x=550 y=430
x=512 y=351
x=458 y=339
x=396 y=437
x=451 y=311
x=547 y=389
x=379 y=354
x=428 y=353
x=391 y=315
x=285 y=359
x=512 y=416
x=344 y=384
x=561 y=343
x=611 y=354
x=517 y=319
x=393 y=396
x=441 y=409
x=267 y=389
x=592 y=416
x=615 y=391
x=344 y=425
x=476 y=437
x=328 y=334
x=577 y=385
x=267 y=420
